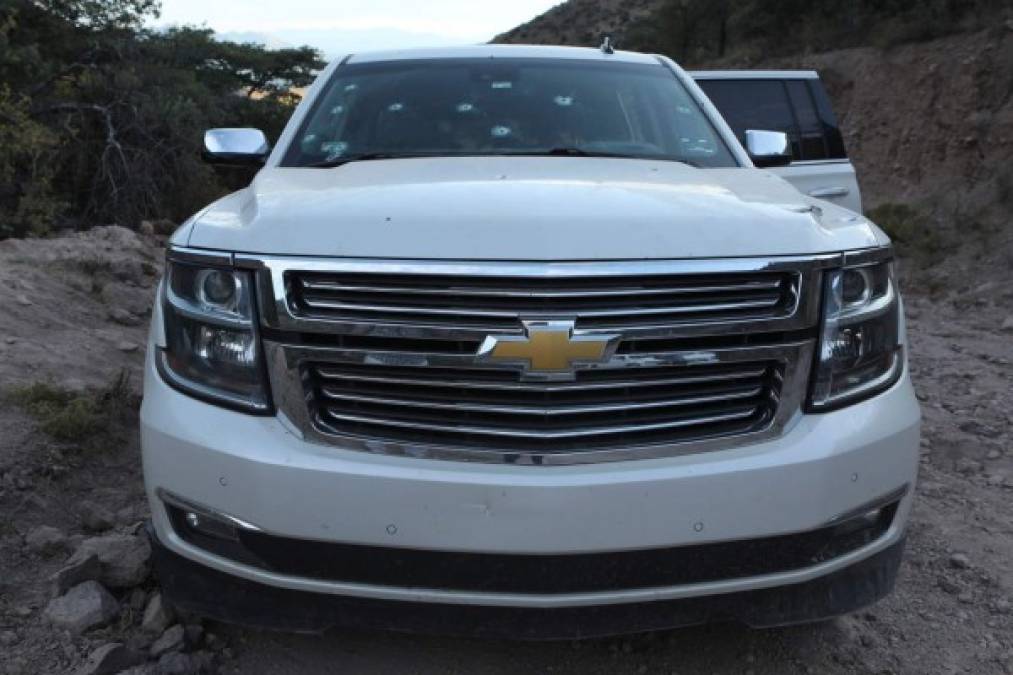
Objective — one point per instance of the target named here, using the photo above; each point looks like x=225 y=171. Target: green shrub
x=912 y=231
x=88 y=419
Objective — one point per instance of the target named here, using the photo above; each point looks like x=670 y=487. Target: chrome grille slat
x=456 y=291
x=591 y=313
x=546 y=411
x=740 y=414
x=548 y=387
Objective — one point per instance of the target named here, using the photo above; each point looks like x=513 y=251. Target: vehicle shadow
x=717 y=648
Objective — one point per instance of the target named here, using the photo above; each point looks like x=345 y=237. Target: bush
x=28 y=157
x=912 y=232
x=88 y=420
x=101 y=119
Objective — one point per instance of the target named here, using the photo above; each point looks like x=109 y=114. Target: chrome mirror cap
x=235 y=146
x=768 y=148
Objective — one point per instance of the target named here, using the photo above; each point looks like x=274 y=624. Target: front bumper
x=259 y=470
x=232 y=599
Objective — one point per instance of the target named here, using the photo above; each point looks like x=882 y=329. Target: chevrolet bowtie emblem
x=549 y=349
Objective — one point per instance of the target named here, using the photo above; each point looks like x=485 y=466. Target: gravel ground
x=951 y=611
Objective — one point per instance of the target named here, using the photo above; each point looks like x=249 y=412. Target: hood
x=525 y=208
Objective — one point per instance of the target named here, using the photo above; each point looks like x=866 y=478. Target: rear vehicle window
x=798 y=107
x=447 y=107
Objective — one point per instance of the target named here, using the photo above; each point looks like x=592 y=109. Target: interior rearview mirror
x=768 y=148
x=235 y=146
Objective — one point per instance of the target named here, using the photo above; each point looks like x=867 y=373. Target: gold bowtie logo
x=549 y=349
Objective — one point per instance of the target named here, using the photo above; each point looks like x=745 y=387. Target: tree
x=105 y=116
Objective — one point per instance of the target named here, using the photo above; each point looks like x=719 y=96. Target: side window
x=810 y=130
x=831 y=132
x=754 y=104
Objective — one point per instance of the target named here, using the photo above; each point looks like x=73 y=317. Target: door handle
x=829 y=192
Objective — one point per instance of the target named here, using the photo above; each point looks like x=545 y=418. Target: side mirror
x=235 y=146
x=768 y=148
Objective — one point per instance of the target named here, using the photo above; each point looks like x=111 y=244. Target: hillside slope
x=579 y=22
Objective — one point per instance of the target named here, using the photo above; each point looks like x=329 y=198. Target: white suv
x=517 y=341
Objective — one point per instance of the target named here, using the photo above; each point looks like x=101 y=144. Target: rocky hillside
x=580 y=22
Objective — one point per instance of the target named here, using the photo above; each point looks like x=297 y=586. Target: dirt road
x=951 y=612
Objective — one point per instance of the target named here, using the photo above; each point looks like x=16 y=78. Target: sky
x=340 y=26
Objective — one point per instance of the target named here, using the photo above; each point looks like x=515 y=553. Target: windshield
x=448 y=107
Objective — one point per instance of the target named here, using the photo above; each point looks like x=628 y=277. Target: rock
x=993 y=454
x=176 y=663
x=95 y=517
x=1002 y=606
x=23 y=300
x=978 y=429
x=126 y=347
x=968 y=466
x=109 y=659
x=194 y=633
x=123 y=317
x=1007 y=325
x=143 y=669
x=74 y=385
x=157 y=615
x=960 y=561
x=171 y=640
x=965 y=598
x=85 y=606
x=124 y=558
x=8 y=638
x=136 y=601
x=77 y=570
x=45 y=540
x=147 y=228
x=126 y=516
x=948 y=586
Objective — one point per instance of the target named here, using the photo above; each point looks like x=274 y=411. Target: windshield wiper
x=362 y=157
x=562 y=151
x=569 y=151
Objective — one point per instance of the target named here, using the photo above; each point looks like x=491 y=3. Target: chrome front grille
x=494 y=303
x=386 y=357
x=491 y=409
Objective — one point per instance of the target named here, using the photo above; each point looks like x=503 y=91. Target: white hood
x=525 y=208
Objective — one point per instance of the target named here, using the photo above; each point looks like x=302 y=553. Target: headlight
x=212 y=348
x=860 y=353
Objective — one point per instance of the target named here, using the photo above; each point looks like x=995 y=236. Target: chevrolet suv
x=522 y=341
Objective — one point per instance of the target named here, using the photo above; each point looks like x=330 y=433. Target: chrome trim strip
x=507 y=314
x=547 y=411
x=547 y=387
x=186 y=504
x=877 y=503
x=535 y=293
x=743 y=413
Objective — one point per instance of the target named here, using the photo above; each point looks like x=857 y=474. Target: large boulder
x=86 y=606
x=124 y=558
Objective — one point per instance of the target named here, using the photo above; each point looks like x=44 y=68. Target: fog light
x=210 y=526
